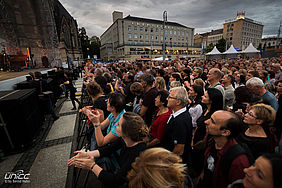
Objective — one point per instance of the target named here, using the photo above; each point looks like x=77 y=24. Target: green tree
x=210 y=47
x=221 y=45
x=85 y=43
x=95 y=45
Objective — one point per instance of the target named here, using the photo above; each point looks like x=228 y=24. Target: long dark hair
x=200 y=92
x=216 y=98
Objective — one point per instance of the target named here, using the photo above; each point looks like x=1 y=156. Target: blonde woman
x=259 y=118
x=160 y=83
x=158 y=167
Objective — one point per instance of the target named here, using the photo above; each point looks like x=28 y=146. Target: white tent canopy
x=250 y=49
x=160 y=59
x=214 y=51
x=231 y=50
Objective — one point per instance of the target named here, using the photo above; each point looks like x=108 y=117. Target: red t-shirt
x=158 y=126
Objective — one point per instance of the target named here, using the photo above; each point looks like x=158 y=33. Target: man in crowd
x=277 y=70
x=229 y=90
x=214 y=76
x=150 y=93
x=178 y=133
x=256 y=86
x=223 y=126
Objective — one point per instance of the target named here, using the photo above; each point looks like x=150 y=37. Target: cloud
x=203 y=15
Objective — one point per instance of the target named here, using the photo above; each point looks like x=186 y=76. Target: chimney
x=117 y=15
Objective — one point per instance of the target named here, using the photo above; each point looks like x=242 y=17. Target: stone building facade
x=132 y=38
x=38 y=29
x=242 y=31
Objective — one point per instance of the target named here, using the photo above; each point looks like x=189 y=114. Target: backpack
x=233 y=153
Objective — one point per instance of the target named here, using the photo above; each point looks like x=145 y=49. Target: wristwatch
x=96 y=125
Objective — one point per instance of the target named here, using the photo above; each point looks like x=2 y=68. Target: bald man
x=223 y=126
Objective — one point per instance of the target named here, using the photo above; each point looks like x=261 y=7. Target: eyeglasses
x=169 y=97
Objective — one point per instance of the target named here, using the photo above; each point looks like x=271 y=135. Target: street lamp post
x=165 y=20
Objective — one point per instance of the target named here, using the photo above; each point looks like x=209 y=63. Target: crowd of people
x=184 y=123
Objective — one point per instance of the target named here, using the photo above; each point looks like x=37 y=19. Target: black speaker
x=22 y=118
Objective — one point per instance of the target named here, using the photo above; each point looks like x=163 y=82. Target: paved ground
x=46 y=161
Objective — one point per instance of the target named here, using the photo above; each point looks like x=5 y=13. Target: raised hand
x=84 y=163
x=93 y=116
x=80 y=154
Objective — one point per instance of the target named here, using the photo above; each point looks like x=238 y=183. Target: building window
x=170 y=32
x=129 y=35
x=152 y=29
x=141 y=36
x=129 y=28
x=178 y=32
x=146 y=29
x=129 y=42
x=152 y=37
x=135 y=36
x=157 y=37
x=157 y=30
x=174 y=32
x=135 y=28
x=174 y=38
x=182 y=33
x=187 y=33
x=166 y=31
x=141 y=28
x=147 y=42
x=146 y=36
x=162 y=37
x=135 y=42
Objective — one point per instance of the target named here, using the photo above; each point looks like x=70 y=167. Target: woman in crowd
x=160 y=83
x=240 y=79
x=265 y=173
x=160 y=118
x=115 y=105
x=158 y=167
x=259 y=118
x=137 y=90
x=243 y=98
x=213 y=100
x=133 y=131
x=95 y=91
x=195 y=96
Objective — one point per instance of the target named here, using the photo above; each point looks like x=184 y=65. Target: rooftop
x=138 y=19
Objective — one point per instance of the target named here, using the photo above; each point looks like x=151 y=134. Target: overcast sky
x=203 y=15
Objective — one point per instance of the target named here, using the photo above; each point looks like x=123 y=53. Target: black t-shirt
x=126 y=158
x=101 y=103
x=201 y=128
x=179 y=131
x=129 y=96
x=257 y=145
x=149 y=102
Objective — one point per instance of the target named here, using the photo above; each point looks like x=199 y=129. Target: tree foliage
x=210 y=47
x=221 y=45
x=89 y=46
